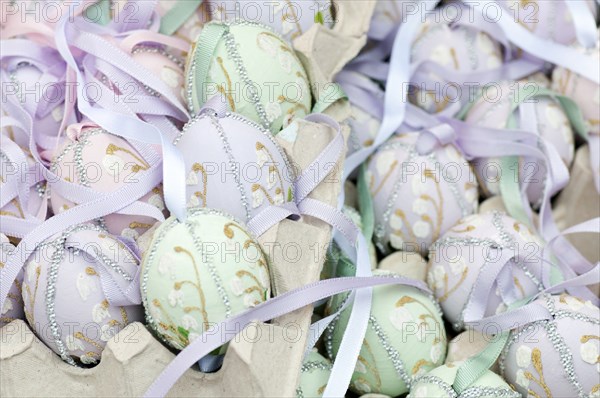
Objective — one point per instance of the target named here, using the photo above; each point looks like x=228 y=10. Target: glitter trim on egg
x=393 y=354
x=141 y=48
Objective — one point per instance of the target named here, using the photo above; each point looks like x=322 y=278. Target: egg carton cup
x=262 y=360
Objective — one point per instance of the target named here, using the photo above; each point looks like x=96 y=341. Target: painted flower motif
x=421 y=229
x=32 y=271
x=589 y=352
x=501 y=308
x=285 y=60
x=399 y=316
x=263 y=277
x=419 y=206
x=88 y=358
x=453 y=154
x=192 y=179
x=362 y=386
x=155 y=314
x=113 y=164
x=107 y=332
x=360 y=367
x=273 y=178
x=396 y=222
x=457 y=266
x=419 y=392
x=278 y=198
x=57 y=113
x=85 y=286
x=288 y=118
x=273 y=110
x=100 y=313
x=249 y=301
x=441 y=54
x=176 y=298
x=436 y=353
x=73 y=344
x=266 y=44
x=193 y=201
x=170 y=76
x=472 y=197
x=156 y=200
x=189 y=322
x=484 y=43
x=523 y=356
x=8 y=306
x=237 y=287
x=262 y=156
x=130 y=233
x=493 y=61
x=438 y=274
x=384 y=162
x=522 y=380
x=192 y=336
x=165 y=264
x=257 y=198
x=573 y=303
x=396 y=241
x=418 y=185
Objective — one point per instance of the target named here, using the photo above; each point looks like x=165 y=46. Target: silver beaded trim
x=392 y=353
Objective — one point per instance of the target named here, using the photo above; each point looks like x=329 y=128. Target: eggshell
x=559 y=357
x=468 y=344
x=405 y=338
x=314 y=375
x=290 y=19
x=257 y=72
x=104 y=162
x=233 y=164
x=494 y=109
x=64 y=292
x=459 y=257
x=13 y=306
x=416 y=198
x=407 y=264
x=438 y=384
x=199 y=272
x=455 y=47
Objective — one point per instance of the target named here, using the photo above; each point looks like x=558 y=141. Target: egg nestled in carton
x=290 y=19
x=405 y=338
x=438 y=384
x=254 y=68
x=455 y=47
x=559 y=357
x=495 y=109
x=13 y=306
x=80 y=288
x=314 y=375
x=233 y=164
x=459 y=258
x=199 y=272
x=95 y=159
x=417 y=198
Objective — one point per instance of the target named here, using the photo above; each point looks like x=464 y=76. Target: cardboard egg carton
x=264 y=359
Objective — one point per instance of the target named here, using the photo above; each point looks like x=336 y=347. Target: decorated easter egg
x=13 y=306
x=199 y=272
x=457 y=48
x=404 y=339
x=388 y=15
x=314 y=375
x=233 y=164
x=18 y=174
x=164 y=64
x=80 y=289
x=256 y=71
x=550 y=20
x=96 y=159
x=288 y=18
x=558 y=357
x=496 y=109
x=438 y=384
x=416 y=198
x=583 y=91
x=464 y=252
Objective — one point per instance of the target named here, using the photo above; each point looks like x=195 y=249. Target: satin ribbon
x=178 y=15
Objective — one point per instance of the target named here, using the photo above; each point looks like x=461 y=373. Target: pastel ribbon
x=178 y=15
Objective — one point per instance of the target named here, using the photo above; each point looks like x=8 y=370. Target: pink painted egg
x=70 y=287
x=96 y=159
x=416 y=198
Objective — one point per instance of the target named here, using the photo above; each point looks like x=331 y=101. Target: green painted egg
x=253 y=68
x=438 y=384
x=405 y=338
x=314 y=375
x=198 y=272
